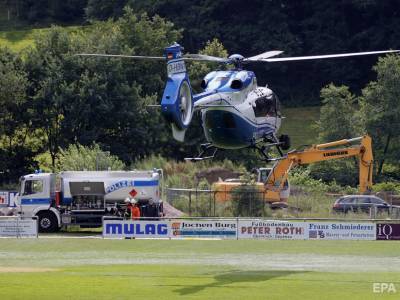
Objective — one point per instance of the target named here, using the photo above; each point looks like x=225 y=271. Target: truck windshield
x=33 y=187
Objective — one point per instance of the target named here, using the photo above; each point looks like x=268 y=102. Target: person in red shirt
x=135 y=210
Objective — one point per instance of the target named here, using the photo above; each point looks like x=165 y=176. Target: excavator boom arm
x=322 y=152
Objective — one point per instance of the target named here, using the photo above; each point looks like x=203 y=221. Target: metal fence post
x=209 y=203
x=237 y=228
x=17 y=227
x=190 y=203
x=213 y=193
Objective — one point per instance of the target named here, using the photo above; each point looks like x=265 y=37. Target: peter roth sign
x=387 y=231
x=274 y=230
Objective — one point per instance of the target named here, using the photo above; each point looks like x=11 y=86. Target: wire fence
x=250 y=203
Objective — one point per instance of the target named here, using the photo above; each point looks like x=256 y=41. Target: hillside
x=298 y=124
x=20 y=39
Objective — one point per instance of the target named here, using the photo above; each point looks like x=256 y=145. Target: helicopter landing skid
x=263 y=150
x=204 y=149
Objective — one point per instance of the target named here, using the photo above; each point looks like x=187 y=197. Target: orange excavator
x=276 y=182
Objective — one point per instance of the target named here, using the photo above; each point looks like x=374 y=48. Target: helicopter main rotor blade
x=326 y=56
x=202 y=57
x=264 y=55
x=187 y=57
x=122 y=56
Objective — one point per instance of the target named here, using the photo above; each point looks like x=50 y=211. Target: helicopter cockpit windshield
x=267 y=106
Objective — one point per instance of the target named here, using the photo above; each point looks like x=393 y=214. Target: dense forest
x=51 y=98
x=251 y=27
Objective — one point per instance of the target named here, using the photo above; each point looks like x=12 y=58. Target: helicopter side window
x=265 y=106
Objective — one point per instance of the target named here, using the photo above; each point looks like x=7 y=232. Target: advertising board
x=275 y=230
x=16 y=227
x=341 y=231
x=4 y=198
x=249 y=229
x=7 y=198
x=204 y=228
x=387 y=231
x=136 y=229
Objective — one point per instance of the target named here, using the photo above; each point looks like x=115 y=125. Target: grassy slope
x=17 y=40
x=298 y=124
x=107 y=269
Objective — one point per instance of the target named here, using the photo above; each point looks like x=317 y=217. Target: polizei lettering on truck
x=130 y=183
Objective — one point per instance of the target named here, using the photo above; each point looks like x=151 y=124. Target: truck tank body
x=118 y=185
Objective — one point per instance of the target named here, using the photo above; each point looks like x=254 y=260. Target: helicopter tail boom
x=177 y=100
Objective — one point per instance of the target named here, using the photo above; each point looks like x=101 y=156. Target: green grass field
x=55 y=268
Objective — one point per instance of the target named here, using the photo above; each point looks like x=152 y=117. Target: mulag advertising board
x=274 y=230
x=341 y=231
x=13 y=227
x=169 y=229
x=136 y=229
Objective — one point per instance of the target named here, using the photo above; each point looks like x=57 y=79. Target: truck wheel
x=47 y=222
x=285 y=140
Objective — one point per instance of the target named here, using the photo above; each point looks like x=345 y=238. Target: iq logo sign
x=387 y=231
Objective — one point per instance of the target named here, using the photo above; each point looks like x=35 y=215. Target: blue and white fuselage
x=235 y=112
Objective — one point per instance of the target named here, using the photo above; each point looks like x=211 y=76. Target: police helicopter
x=235 y=112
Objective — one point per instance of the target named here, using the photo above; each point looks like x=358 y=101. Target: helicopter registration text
x=175 y=67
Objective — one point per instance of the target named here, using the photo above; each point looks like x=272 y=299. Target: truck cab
x=37 y=198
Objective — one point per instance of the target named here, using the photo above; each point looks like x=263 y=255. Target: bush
x=393 y=187
x=343 y=171
x=247 y=201
x=183 y=174
x=79 y=158
x=302 y=177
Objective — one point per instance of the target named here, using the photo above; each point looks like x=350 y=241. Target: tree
x=247 y=199
x=47 y=11
x=104 y=9
x=338 y=118
x=90 y=158
x=197 y=70
x=82 y=100
x=17 y=147
x=380 y=108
